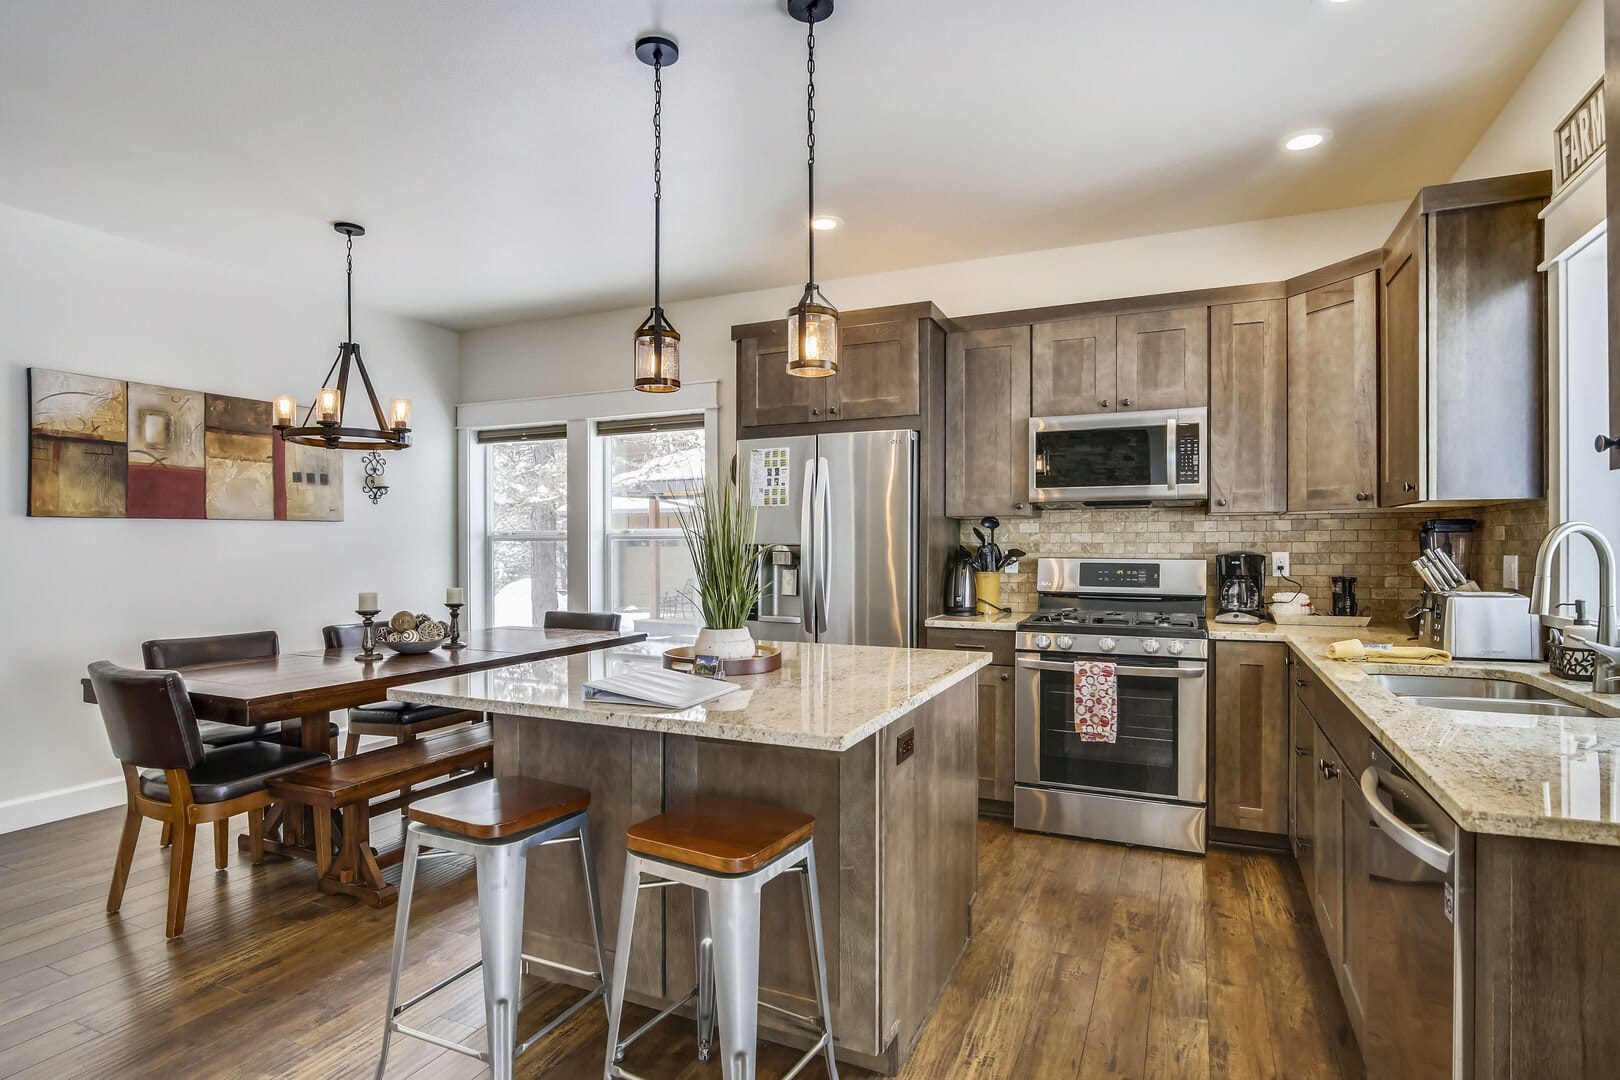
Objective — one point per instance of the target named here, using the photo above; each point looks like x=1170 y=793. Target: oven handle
x=1119 y=669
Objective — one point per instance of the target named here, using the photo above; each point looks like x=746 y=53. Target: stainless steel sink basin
x=1474 y=694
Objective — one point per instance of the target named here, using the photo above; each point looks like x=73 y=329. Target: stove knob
x=1107 y=644
x=1177 y=648
x=1150 y=646
x=1065 y=642
x=1043 y=642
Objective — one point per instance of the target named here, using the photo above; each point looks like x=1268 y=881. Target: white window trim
x=581 y=413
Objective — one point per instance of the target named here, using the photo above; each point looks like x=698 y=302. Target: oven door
x=1117 y=456
x=1159 y=752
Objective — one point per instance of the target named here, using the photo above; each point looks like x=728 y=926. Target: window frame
x=602 y=600
x=493 y=537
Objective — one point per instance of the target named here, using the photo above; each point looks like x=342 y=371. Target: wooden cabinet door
x=987 y=423
x=1251 y=737
x=1356 y=868
x=1328 y=897
x=1163 y=359
x=1401 y=364
x=1332 y=396
x=879 y=372
x=1302 y=782
x=1248 y=411
x=996 y=733
x=1072 y=367
x=767 y=394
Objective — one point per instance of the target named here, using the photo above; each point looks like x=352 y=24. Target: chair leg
x=734 y=909
x=256 y=835
x=593 y=899
x=703 y=964
x=126 y=855
x=501 y=872
x=185 y=842
x=166 y=837
x=351 y=745
x=222 y=843
x=818 y=955
x=402 y=919
x=621 y=961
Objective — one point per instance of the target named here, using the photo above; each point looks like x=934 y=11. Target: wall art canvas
x=78 y=458
x=109 y=448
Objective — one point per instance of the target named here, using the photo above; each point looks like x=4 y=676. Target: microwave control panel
x=1187 y=454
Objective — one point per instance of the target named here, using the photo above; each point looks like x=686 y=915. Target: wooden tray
x=1321 y=620
x=765 y=658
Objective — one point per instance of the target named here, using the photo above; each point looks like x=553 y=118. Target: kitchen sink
x=1467 y=692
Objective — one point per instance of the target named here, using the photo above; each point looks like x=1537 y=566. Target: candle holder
x=455 y=641
x=368 y=643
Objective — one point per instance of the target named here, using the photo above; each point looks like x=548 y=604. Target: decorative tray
x=765 y=658
x=1320 y=620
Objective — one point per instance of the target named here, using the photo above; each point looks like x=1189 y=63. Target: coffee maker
x=1240 y=578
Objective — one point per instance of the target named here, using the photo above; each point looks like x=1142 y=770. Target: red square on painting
x=157 y=491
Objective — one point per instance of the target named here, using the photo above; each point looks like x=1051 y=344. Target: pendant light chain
x=349 y=288
x=658 y=343
x=810 y=136
x=658 y=178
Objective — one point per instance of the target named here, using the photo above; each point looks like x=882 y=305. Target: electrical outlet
x=1510 y=573
x=905 y=745
x=1280 y=564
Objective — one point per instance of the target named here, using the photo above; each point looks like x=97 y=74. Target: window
x=1589 y=491
x=526 y=508
x=650 y=470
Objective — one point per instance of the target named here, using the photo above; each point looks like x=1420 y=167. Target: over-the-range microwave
x=1157 y=456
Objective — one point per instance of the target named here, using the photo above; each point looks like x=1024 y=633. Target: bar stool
x=498 y=822
x=725 y=850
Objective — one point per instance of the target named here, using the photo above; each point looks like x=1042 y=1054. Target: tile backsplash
x=1377 y=548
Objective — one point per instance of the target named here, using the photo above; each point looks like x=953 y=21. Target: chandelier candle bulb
x=399 y=413
x=285 y=408
x=328 y=405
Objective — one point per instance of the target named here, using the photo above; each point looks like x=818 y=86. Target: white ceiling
x=499 y=151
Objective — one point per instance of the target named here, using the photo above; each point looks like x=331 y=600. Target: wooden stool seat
x=724 y=836
x=504 y=806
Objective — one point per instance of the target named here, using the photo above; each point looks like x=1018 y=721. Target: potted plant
x=719 y=530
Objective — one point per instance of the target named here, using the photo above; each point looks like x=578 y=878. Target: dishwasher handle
x=1405 y=837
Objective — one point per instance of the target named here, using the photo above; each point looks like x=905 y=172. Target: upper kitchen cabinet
x=1463 y=368
x=1072 y=367
x=1333 y=388
x=884 y=372
x=1163 y=359
x=987 y=422
x=1248 y=413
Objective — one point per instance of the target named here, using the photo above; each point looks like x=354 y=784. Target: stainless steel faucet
x=1606 y=676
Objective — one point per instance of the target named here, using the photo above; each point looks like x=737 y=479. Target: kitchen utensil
x=1428 y=578
x=993 y=551
x=1448 y=578
x=1010 y=556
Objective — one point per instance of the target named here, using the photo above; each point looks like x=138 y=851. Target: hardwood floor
x=1088 y=960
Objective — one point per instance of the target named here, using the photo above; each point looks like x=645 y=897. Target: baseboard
x=62 y=803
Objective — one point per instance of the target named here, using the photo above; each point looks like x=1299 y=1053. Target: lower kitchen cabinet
x=997 y=692
x=1250 y=738
x=1302 y=778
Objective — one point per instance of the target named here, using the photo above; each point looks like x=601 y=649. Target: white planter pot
x=726 y=644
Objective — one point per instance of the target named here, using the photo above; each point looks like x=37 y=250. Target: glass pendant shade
x=812 y=337
x=658 y=355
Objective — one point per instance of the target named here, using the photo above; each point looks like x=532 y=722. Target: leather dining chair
x=185 y=783
x=397 y=720
x=582 y=620
x=170 y=653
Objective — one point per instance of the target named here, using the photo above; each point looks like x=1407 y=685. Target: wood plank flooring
x=1088 y=960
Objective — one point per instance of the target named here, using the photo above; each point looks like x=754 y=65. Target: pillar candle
x=368 y=602
x=455 y=594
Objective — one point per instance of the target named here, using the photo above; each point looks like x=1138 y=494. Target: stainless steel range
x=1148 y=787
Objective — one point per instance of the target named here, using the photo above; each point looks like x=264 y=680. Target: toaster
x=1483 y=626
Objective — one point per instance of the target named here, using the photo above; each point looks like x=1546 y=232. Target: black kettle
x=961 y=592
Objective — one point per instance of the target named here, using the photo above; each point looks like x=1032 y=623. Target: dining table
x=308 y=686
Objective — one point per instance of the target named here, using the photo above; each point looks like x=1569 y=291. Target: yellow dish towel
x=1354 y=650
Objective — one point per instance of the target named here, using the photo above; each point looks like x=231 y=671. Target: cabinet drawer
x=997 y=643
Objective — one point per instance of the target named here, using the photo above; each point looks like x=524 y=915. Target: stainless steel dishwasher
x=1418 y=927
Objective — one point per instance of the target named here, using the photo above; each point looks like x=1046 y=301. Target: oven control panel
x=1120 y=575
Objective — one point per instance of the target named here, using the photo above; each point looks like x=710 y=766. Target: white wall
x=592 y=352
x=1520 y=139
x=80 y=590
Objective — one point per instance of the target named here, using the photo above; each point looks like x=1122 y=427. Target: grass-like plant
x=718 y=525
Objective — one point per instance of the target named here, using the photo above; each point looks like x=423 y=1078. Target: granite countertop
x=824 y=697
x=1001 y=620
x=1510 y=774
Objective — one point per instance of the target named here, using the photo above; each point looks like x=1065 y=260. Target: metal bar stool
x=497 y=822
x=725 y=850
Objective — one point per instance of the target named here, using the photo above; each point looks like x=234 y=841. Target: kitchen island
x=879 y=744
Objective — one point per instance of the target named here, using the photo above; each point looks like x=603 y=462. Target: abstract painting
x=108 y=448
x=239 y=445
x=77 y=460
x=167 y=478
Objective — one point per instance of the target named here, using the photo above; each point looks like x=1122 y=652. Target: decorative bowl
x=411 y=647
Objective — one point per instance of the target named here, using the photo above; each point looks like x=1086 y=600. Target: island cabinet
x=987 y=422
x=1248 y=408
x=1333 y=394
x=1250 y=739
x=996 y=693
x=1462 y=368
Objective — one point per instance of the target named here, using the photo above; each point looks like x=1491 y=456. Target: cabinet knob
x=1220 y=502
x=1301 y=683
x=815 y=412
x=1302 y=751
x=1408 y=486
x=1005 y=676
x=1362 y=496
x=1125 y=402
x=1329 y=770
x=1603 y=444
x=832 y=411
x=1020 y=506
x=1106 y=403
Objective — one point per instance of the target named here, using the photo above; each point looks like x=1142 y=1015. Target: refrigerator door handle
x=810 y=550
x=824 y=545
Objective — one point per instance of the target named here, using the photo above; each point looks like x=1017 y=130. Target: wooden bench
x=349 y=785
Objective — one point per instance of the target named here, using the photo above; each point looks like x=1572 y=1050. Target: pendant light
x=393 y=432
x=812 y=322
x=658 y=344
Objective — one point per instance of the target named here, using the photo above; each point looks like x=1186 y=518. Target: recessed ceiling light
x=825 y=222
x=1306 y=140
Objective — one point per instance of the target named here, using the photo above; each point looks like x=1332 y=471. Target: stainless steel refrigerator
x=838 y=536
